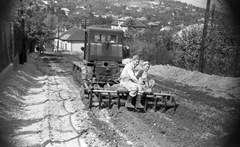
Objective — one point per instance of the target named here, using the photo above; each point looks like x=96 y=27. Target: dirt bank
x=217 y=86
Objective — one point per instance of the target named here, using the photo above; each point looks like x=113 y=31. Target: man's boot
x=138 y=102
x=128 y=103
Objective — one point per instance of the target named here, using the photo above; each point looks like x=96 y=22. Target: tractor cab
x=103 y=53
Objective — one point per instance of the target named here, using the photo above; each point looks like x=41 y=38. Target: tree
x=39 y=22
x=221 y=47
x=151 y=45
x=75 y=19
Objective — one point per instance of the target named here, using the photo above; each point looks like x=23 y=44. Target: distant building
x=80 y=7
x=152 y=24
x=201 y=19
x=71 y=40
x=166 y=28
x=117 y=24
x=117 y=5
x=194 y=9
x=66 y=10
x=167 y=8
x=139 y=25
x=142 y=19
x=121 y=24
x=45 y=2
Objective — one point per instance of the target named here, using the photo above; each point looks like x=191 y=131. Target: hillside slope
x=217 y=86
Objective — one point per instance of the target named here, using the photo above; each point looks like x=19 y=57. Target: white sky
x=200 y=3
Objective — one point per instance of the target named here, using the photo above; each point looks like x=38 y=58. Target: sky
x=200 y=3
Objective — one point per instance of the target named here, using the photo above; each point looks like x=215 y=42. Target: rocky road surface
x=42 y=106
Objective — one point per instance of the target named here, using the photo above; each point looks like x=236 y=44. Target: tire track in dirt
x=49 y=113
x=55 y=139
x=78 y=117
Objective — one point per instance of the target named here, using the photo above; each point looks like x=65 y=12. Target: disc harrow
x=103 y=95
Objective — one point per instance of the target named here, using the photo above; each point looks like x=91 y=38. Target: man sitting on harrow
x=143 y=77
x=129 y=81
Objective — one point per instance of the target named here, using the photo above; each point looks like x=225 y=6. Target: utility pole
x=58 y=38
x=236 y=61
x=212 y=15
x=202 y=48
x=85 y=22
x=213 y=42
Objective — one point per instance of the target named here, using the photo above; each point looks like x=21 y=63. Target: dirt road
x=41 y=107
x=48 y=109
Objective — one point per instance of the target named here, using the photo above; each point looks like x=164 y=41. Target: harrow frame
x=118 y=95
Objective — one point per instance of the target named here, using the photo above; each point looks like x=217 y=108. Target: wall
x=76 y=46
x=6 y=44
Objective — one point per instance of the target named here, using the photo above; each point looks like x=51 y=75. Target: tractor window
x=97 y=38
x=103 y=38
x=112 y=38
x=106 y=38
x=100 y=38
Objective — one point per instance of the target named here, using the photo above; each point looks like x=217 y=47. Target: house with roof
x=166 y=28
x=71 y=40
x=142 y=19
x=66 y=10
x=122 y=24
x=152 y=24
x=117 y=24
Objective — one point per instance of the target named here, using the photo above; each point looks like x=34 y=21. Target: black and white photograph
x=119 y=73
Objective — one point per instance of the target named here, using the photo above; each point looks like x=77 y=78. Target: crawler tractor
x=100 y=70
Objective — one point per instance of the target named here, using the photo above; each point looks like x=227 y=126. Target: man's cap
x=135 y=57
x=146 y=62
